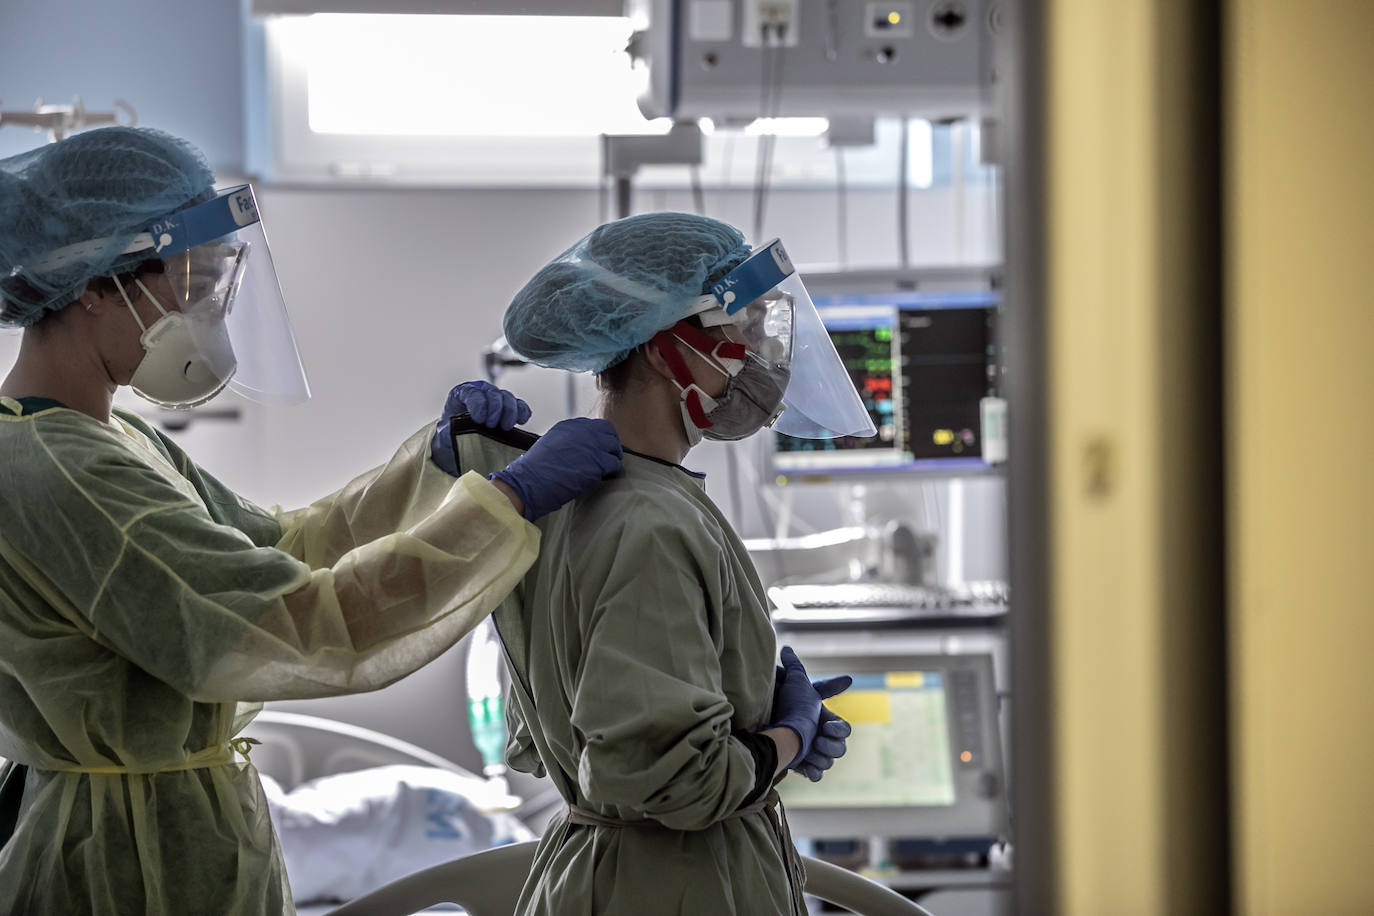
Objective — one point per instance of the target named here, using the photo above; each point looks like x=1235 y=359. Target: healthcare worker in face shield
x=145 y=608
x=645 y=683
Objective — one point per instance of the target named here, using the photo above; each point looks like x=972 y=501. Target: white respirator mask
x=187 y=357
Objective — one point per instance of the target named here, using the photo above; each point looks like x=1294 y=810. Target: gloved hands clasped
x=569 y=458
x=797 y=704
x=830 y=743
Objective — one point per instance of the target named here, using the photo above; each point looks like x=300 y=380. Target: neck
x=53 y=364
x=648 y=422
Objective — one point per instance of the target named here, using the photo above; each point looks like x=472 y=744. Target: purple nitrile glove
x=830 y=744
x=831 y=731
x=488 y=405
x=572 y=456
x=796 y=704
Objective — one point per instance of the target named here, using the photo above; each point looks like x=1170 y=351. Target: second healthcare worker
x=640 y=641
x=145 y=608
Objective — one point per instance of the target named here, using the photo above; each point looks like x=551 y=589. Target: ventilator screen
x=899 y=751
x=925 y=755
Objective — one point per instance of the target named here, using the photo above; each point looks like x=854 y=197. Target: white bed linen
x=349 y=833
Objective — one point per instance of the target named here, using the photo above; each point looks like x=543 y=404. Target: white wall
x=178 y=64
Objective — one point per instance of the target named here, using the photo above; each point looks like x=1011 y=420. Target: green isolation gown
x=146 y=611
x=642 y=648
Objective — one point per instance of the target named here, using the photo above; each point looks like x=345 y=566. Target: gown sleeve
x=521 y=753
x=648 y=703
x=368 y=585
x=395 y=496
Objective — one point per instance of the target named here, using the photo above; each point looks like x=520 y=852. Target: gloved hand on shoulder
x=572 y=456
x=488 y=405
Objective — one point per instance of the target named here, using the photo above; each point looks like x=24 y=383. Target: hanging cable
x=762 y=148
x=841 y=208
x=727 y=155
x=764 y=151
x=934 y=505
x=960 y=181
x=903 y=166
x=994 y=232
x=770 y=103
x=775 y=512
x=736 y=500
x=698 y=196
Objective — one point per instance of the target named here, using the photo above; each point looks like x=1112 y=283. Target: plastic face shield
x=767 y=301
x=220 y=270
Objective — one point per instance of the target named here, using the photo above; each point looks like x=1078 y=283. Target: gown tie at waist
x=770 y=805
x=217 y=755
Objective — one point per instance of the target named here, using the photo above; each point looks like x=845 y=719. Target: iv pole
x=61 y=120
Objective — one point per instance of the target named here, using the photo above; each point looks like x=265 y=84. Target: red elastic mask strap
x=695 y=410
x=663 y=340
x=702 y=342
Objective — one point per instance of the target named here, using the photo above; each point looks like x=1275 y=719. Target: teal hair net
x=616 y=288
x=105 y=185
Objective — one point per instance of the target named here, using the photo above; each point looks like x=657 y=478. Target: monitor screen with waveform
x=922 y=363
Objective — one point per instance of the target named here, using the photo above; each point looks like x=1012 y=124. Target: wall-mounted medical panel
x=728 y=59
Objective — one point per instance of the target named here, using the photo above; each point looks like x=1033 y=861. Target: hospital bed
x=355 y=808
x=296 y=749
x=488 y=884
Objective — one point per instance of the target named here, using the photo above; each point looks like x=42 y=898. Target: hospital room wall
x=178 y=64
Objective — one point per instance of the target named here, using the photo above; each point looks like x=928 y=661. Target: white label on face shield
x=761 y=272
x=163 y=233
x=781 y=259
x=243 y=209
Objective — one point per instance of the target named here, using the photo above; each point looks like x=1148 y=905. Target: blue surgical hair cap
x=616 y=288
x=103 y=185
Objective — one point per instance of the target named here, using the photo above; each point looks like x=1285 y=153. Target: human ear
x=93 y=298
x=655 y=359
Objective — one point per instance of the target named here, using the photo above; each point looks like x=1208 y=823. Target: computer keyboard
x=863 y=595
